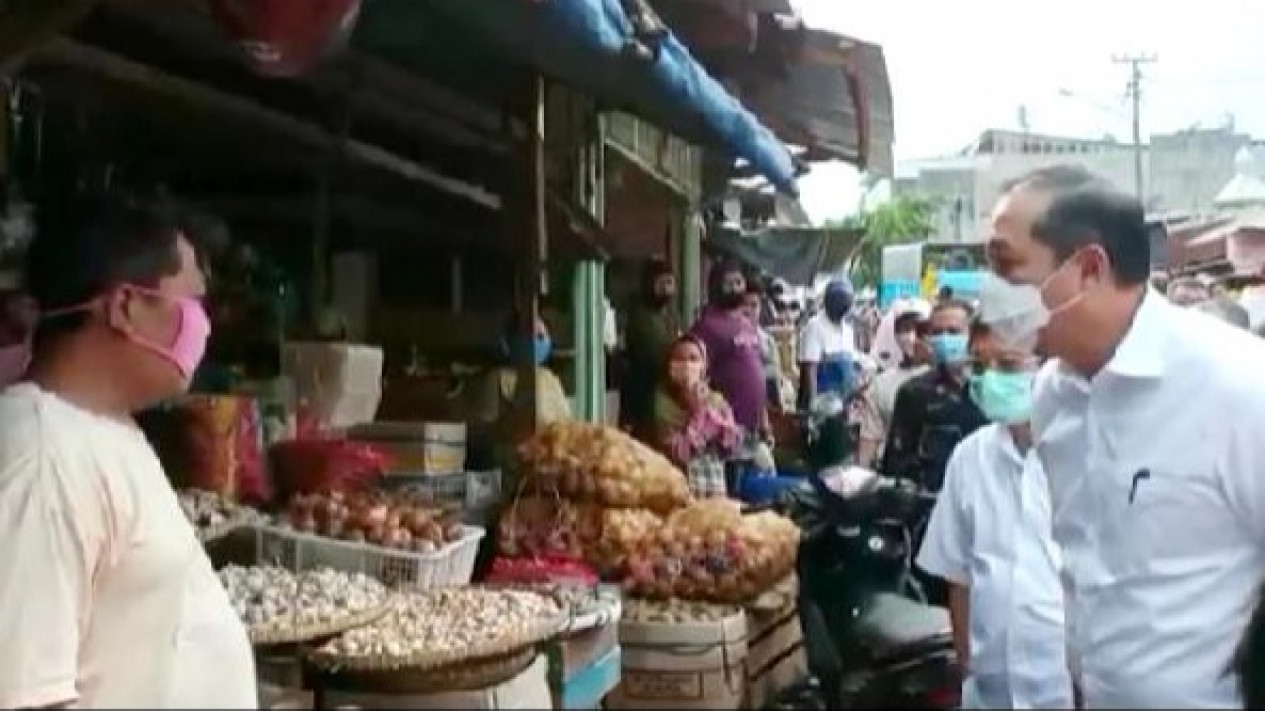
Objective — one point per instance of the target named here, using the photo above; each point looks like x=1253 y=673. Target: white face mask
x=1016 y=313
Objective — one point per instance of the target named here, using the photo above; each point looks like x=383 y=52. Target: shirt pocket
x=1152 y=519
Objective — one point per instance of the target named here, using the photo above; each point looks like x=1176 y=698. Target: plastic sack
x=712 y=552
x=557 y=529
x=602 y=465
x=211 y=443
x=319 y=466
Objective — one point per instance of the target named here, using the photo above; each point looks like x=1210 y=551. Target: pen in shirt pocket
x=1138 y=476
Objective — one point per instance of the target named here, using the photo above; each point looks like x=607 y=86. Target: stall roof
x=824 y=91
x=796 y=254
x=836 y=101
x=582 y=43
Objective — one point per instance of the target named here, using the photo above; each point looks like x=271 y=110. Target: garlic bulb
x=446 y=622
x=273 y=598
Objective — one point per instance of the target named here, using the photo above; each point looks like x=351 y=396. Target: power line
x=1134 y=92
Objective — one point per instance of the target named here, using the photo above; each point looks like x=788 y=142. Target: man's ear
x=116 y=308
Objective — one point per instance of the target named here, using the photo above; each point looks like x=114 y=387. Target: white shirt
x=990 y=532
x=1253 y=300
x=1157 y=477
x=107 y=599
x=821 y=339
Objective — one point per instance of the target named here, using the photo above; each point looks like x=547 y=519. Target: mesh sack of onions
x=712 y=552
x=602 y=465
x=556 y=528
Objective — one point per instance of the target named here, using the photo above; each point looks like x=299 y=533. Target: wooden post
x=530 y=267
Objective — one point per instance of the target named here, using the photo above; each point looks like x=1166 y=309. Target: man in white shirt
x=1150 y=422
x=989 y=538
x=827 y=344
x=107 y=600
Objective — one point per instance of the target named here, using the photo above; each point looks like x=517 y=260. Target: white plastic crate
x=450 y=566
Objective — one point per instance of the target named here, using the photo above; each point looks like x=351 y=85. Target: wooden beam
x=27 y=24
x=208 y=98
x=531 y=246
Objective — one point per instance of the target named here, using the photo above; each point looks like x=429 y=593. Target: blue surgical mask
x=1003 y=397
x=542 y=348
x=949 y=348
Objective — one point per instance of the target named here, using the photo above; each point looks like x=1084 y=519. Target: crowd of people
x=1091 y=432
x=1093 y=435
x=1094 y=442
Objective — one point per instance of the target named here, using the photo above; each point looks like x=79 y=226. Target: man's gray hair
x=1227 y=311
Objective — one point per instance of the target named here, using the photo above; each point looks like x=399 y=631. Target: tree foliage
x=902 y=220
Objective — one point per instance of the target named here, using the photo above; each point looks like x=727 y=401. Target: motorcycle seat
x=892 y=626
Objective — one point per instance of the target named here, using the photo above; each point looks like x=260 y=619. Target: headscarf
x=670 y=411
x=886 y=349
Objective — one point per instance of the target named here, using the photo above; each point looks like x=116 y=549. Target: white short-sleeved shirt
x=822 y=339
x=107 y=600
x=990 y=532
x=1157 y=477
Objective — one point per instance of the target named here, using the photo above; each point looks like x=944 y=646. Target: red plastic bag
x=213 y=443
x=531 y=571
x=285 y=37
x=319 y=466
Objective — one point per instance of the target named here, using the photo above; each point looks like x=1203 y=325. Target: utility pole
x=1134 y=92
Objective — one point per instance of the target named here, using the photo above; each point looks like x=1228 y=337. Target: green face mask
x=1003 y=397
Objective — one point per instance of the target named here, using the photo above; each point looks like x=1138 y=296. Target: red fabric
x=540 y=570
x=286 y=37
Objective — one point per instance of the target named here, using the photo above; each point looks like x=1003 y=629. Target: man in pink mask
x=107 y=600
x=17 y=320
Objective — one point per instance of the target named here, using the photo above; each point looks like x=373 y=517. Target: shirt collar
x=1140 y=353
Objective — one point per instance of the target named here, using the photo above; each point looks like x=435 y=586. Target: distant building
x=1182 y=172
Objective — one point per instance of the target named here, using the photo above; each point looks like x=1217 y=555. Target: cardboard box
x=683 y=666
x=418 y=447
x=573 y=654
x=339 y=382
x=776 y=658
x=528 y=690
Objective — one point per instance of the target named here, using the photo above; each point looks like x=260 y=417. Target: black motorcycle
x=871 y=639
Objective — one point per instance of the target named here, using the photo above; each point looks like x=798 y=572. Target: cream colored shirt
x=880 y=400
x=106 y=598
x=496 y=395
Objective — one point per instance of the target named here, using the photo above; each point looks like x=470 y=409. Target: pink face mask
x=189 y=346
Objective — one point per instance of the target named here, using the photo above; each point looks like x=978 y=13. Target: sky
x=958 y=68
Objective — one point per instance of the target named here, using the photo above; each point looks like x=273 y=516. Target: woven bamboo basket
x=468 y=675
x=275 y=634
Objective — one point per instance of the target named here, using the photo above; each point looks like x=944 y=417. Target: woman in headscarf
x=694 y=426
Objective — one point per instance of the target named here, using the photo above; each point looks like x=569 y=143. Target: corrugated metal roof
x=836 y=100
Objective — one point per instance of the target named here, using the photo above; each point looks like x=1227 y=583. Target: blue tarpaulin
x=604 y=24
x=583 y=43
